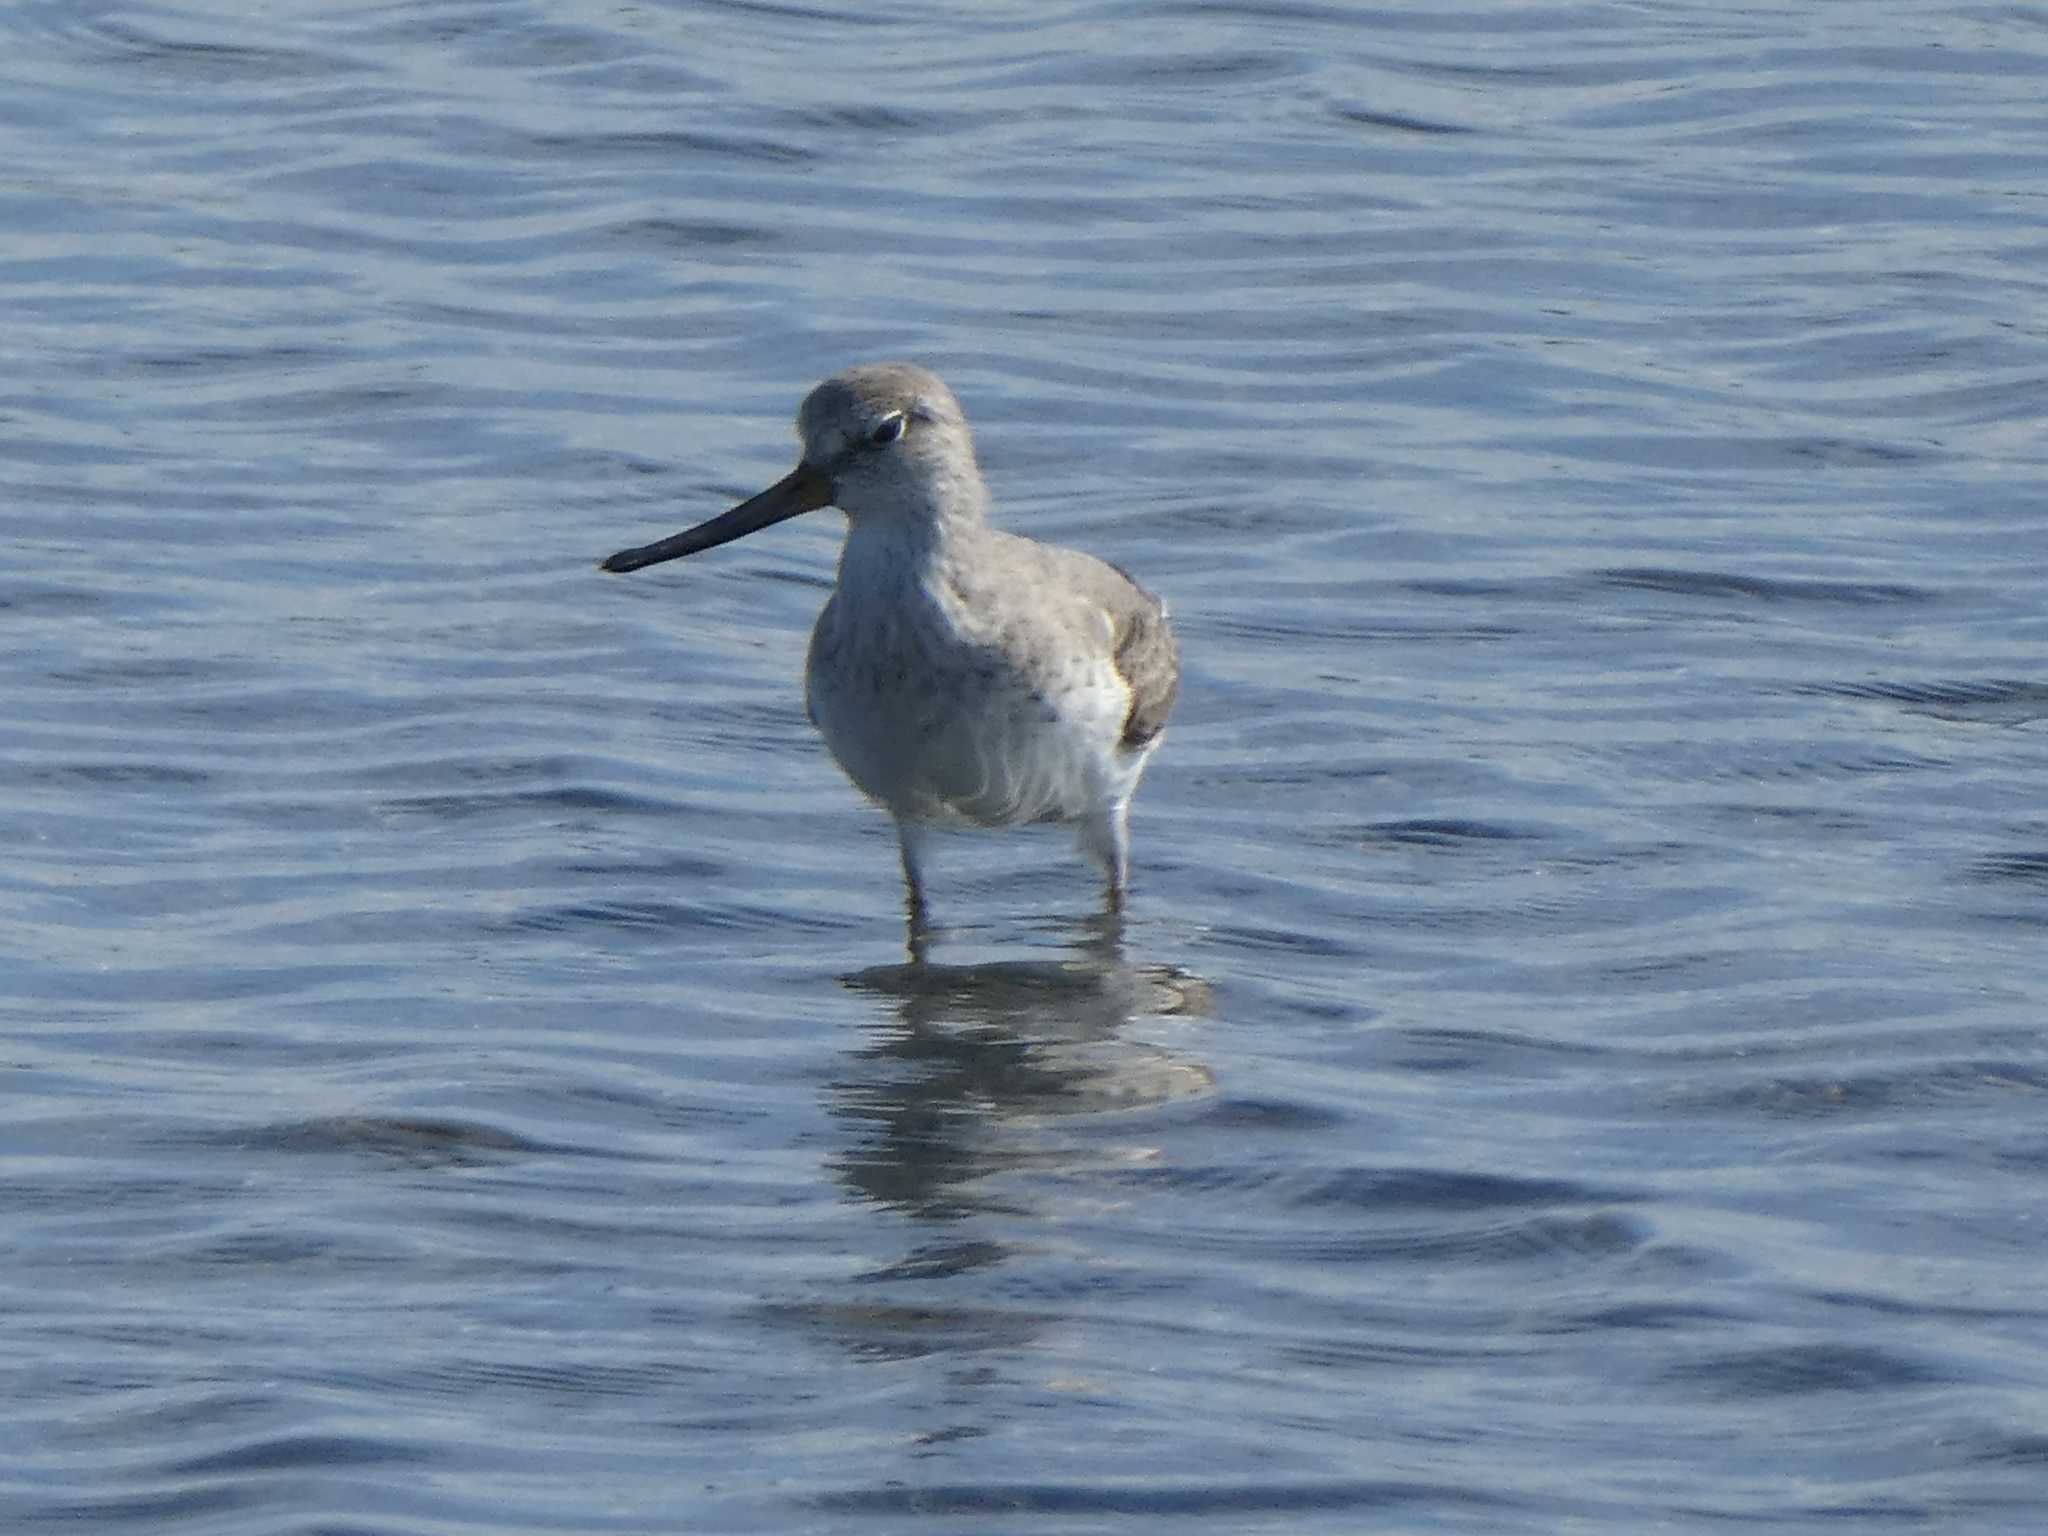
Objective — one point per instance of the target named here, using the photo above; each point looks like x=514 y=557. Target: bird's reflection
x=1042 y=1068
x=977 y=1066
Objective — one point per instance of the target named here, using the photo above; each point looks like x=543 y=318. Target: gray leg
x=1106 y=838
x=910 y=841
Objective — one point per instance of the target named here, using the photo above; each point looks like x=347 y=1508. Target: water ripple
x=1572 y=1056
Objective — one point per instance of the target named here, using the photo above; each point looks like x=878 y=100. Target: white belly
x=936 y=725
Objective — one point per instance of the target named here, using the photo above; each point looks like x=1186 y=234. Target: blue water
x=1576 y=1059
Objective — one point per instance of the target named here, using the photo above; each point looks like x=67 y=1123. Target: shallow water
x=1576 y=1057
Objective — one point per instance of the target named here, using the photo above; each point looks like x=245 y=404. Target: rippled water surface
x=1575 y=1060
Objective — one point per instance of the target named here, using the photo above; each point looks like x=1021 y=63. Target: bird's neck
x=917 y=536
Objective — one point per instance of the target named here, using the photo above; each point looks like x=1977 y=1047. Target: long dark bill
x=803 y=489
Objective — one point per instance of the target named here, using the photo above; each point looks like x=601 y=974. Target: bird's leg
x=910 y=843
x=1106 y=838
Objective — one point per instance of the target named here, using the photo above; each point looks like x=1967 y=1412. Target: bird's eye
x=887 y=430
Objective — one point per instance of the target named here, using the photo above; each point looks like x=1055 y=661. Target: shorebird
x=960 y=675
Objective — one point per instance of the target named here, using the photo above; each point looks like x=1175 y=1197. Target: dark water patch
x=1228 y=1113
x=1973 y=404
x=671 y=144
x=1286 y=941
x=558 y=1382
x=656 y=916
x=875 y=1330
x=2029 y=1157
x=118 y=980
x=26 y=599
x=198 y=64
x=1727 y=584
x=2028 y=869
x=2002 y=701
x=158 y=1417
x=1833 y=823
x=1544 y=904
x=272 y=1251
x=525 y=805
x=214 y=362
x=1396 y=122
x=1445 y=832
x=418 y=1142
x=1655 y=1316
x=302 y=715
x=1478 y=588
x=2013 y=1450
x=1278 y=626
x=1252 y=1176
x=1598 y=1235
x=939 y=1262
x=154 y=1509
x=1198 y=1500
x=690 y=235
x=154 y=674
x=882 y=120
x=1345 y=767
x=356 y=407
x=1406 y=1231
x=2026 y=1309
x=1397 y=1348
x=136 y=777
x=653 y=870
x=2022 y=918
x=88 y=1189
x=1802 y=758
x=1799 y=1370
x=1420 y=1048
x=1433 y=1189
x=1709 y=454
x=285 y=1453
x=1223 y=68
x=1880 y=1094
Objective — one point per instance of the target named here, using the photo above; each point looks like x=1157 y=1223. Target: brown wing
x=1142 y=646
x=1148 y=657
